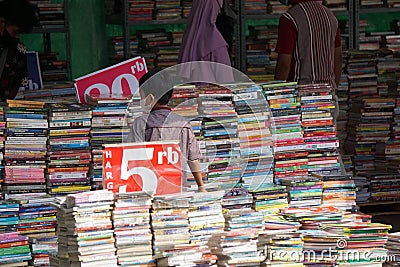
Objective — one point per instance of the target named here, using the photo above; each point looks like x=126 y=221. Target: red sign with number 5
x=153 y=167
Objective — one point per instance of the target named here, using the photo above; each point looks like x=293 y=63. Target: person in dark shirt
x=16 y=17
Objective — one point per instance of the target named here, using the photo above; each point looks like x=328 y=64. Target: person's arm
x=282 y=68
x=195 y=169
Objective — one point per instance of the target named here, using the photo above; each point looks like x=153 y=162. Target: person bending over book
x=161 y=124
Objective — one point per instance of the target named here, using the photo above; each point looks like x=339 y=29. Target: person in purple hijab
x=203 y=42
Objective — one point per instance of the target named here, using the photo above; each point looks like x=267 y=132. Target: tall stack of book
x=205 y=216
x=51 y=15
x=109 y=126
x=2 y=139
x=38 y=221
x=9 y=217
x=69 y=153
x=255 y=7
x=167 y=9
x=254 y=135
x=89 y=229
x=361 y=242
x=369 y=123
x=140 y=10
x=303 y=192
x=133 y=237
x=338 y=191
x=220 y=136
x=170 y=226
x=184 y=101
x=14 y=249
x=25 y=148
x=276 y=7
x=319 y=129
x=290 y=155
x=361 y=70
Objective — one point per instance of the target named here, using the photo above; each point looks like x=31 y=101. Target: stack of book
x=276 y=7
x=361 y=70
x=383 y=186
x=89 y=229
x=56 y=92
x=184 y=101
x=393 y=3
x=117 y=47
x=25 y=148
x=338 y=191
x=361 y=242
x=290 y=155
x=2 y=139
x=167 y=56
x=220 y=135
x=133 y=237
x=319 y=129
x=369 y=123
x=186 y=8
x=109 y=126
x=149 y=41
x=371 y=3
x=254 y=135
x=303 y=192
x=167 y=9
x=140 y=10
x=269 y=198
x=255 y=7
x=276 y=223
x=362 y=185
x=205 y=216
x=53 y=69
x=170 y=225
x=237 y=199
x=392 y=42
x=69 y=153
x=392 y=246
x=236 y=248
x=51 y=15
x=9 y=216
x=14 y=249
x=37 y=220
x=336 y=5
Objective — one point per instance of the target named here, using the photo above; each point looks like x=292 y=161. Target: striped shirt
x=309 y=32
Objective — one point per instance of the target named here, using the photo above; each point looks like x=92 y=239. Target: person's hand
x=201 y=189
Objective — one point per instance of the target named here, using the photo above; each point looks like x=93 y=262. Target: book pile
x=388 y=156
x=167 y=56
x=8 y=216
x=51 y=15
x=25 y=148
x=388 y=66
x=149 y=41
x=369 y=123
x=117 y=47
x=336 y=5
x=362 y=185
x=361 y=242
x=53 y=69
x=342 y=93
x=361 y=70
x=219 y=127
x=38 y=221
x=170 y=225
x=303 y=192
x=392 y=246
x=393 y=3
x=2 y=139
x=392 y=42
x=269 y=198
x=188 y=255
x=89 y=236
x=109 y=126
x=236 y=248
x=290 y=155
x=184 y=101
x=276 y=223
x=255 y=7
x=69 y=154
x=237 y=198
x=319 y=129
x=312 y=218
x=133 y=237
x=338 y=191
x=140 y=10
x=275 y=7
x=186 y=8
x=383 y=186
x=371 y=3
x=56 y=92
x=14 y=249
x=167 y=9
x=205 y=216
x=254 y=135
x=368 y=41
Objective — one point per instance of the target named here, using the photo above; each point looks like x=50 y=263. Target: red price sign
x=153 y=167
x=120 y=79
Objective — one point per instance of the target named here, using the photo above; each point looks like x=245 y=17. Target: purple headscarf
x=202 y=37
